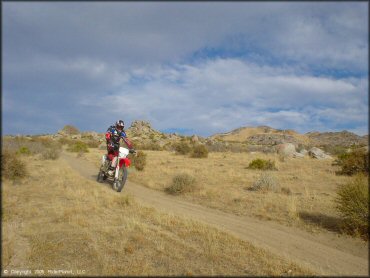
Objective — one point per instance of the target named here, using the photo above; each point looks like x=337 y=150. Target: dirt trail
x=324 y=253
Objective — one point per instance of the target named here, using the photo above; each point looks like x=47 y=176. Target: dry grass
x=224 y=185
x=68 y=222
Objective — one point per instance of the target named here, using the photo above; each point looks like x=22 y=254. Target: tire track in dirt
x=316 y=252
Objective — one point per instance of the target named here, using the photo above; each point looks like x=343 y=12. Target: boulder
x=303 y=151
x=318 y=153
x=287 y=149
x=298 y=155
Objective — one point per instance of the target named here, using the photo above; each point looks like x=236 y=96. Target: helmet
x=120 y=125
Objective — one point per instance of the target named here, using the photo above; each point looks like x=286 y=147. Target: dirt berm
x=323 y=253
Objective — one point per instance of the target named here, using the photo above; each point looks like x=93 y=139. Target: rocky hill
x=262 y=135
x=265 y=135
x=144 y=136
x=342 y=138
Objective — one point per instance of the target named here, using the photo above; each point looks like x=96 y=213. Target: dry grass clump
x=199 y=151
x=265 y=182
x=352 y=202
x=24 y=150
x=262 y=164
x=12 y=167
x=50 y=154
x=139 y=160
x=354 y=162
x=65 y=141
x=181 y=183
x=182 y=148
x=78 y=147
x=93 y=143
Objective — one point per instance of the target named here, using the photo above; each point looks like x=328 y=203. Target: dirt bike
x=119 y=175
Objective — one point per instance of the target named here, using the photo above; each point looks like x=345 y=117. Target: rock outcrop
x=318 y=153
x=342 y=138
x=271 y=139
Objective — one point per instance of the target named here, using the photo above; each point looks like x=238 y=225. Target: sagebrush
x=352 y=163
x=199 y=151
x=265 y=182
x=181 y=183
x=352 y=202
x=139 y=161
x=262 y=164
x=12 y=167
x=182 y=148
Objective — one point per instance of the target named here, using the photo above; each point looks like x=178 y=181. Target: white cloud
x=222 y=94
x=138 y=60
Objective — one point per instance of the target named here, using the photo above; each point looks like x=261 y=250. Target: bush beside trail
x=265 y=182
x=12 y=167
x=352 y=202
x=181 y=183
x=262 y=164
x=139 y=161
x=353 y=163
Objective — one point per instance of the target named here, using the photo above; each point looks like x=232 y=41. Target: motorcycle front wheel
x=122 y=177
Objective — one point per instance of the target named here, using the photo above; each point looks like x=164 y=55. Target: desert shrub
x=352 y=163
x=70 y=129
x=335 y=150
x=12 y=167
x=24 y=150
x=181 y=183
x=93 y=143
x=65 y=141
x=352 y=202
x=50 y=154
x=286 y=190
x=199 y=151
x=262 y=164
x=78 y=147
x=46 y=142
x=265 y=182
x=139 y=161
x=182 y=148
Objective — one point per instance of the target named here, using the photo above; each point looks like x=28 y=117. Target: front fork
x=116 y=174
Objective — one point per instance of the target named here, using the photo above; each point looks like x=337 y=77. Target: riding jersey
x=113 y=136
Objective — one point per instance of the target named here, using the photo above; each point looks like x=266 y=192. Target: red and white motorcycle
x=119 y=174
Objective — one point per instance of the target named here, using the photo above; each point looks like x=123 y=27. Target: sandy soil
x=323 y=253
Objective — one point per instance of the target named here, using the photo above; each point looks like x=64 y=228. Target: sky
x=188 y=67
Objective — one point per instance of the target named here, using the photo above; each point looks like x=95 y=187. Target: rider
x=113 y=135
